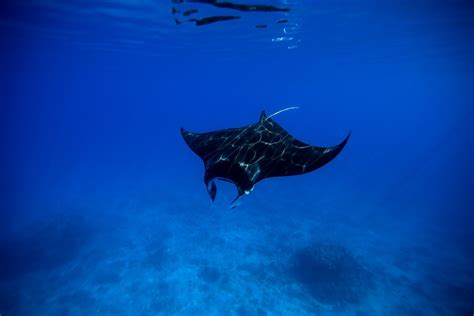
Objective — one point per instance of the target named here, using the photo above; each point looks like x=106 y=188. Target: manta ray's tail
x=285 y=109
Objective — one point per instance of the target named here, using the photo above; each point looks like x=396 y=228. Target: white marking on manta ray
x=255 y=175
x=270 y=144
x=222 y=159
x=243 y=164
x=246 y=166
x=301 y=147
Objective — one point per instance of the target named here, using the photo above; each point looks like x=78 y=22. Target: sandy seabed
x=186 y=256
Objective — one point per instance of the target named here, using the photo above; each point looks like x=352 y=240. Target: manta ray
x=249 y=154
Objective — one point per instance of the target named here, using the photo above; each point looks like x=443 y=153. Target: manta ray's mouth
x=212 y=189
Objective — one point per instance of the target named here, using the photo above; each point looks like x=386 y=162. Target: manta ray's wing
x=286 y=155
x=206 y=145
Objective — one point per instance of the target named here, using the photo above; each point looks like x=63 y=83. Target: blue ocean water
x=103 y=206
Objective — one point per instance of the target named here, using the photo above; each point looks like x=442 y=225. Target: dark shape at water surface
x=213 y=19
x=241 y=6
x=190 y=11
x=282 y=21
x=249 y=154
x=261 y=26
x=224 y=5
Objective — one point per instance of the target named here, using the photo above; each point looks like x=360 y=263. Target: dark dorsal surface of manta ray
x=249 y=154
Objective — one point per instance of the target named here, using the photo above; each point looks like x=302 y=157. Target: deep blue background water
x=92 y=98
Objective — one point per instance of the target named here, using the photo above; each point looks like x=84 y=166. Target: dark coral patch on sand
x=107 y=278
x=44 y=246
x=157 y=258
x=331 y=274
x=209 y=274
